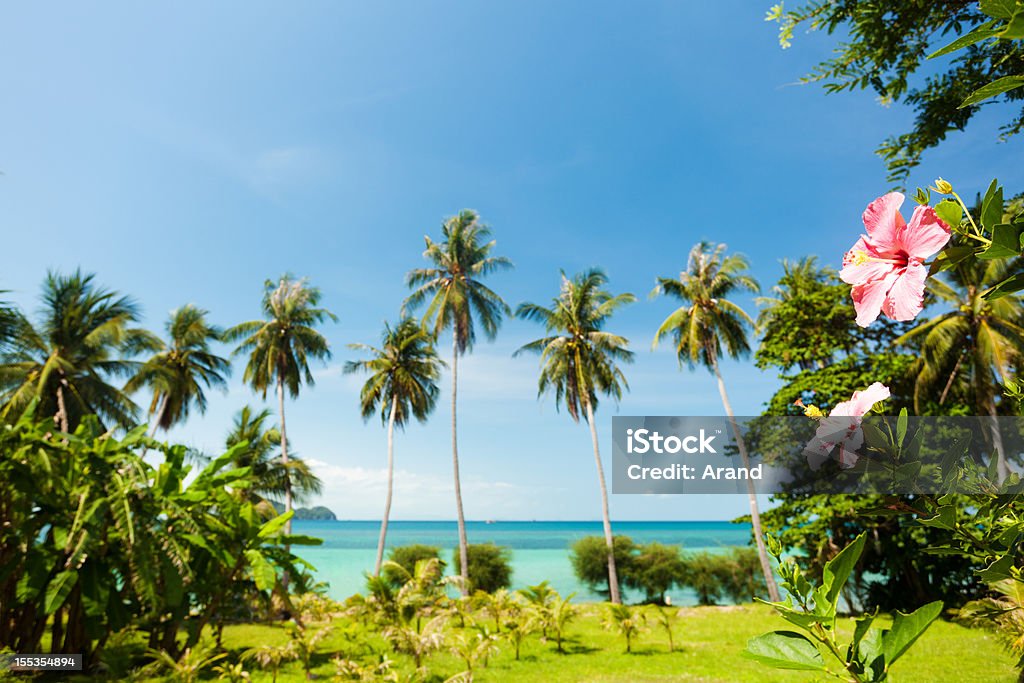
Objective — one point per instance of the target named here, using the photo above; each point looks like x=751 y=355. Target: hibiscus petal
x=857 y=273
x=906 y=297
x=925 y=235
x=883 y=220
x=863 y=400
x=869 y=296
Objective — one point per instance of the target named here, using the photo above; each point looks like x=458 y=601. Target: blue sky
x=185 y=153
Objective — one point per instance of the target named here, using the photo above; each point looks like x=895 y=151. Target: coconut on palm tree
x=403 y=383
x=280 y=347
x=182 y=368
x=262 y=456
x=457 y=299
x=709 y=325
x=975 y=346
x=69 y=361
x=579 y=360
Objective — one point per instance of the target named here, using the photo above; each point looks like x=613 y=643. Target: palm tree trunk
x=158 y=418
x=613 y=576
x=755 y=513
x=156 y=422
x=62 y=410
x=287 y=473
x=391 y=479
x=284 y=454
x=463 y=542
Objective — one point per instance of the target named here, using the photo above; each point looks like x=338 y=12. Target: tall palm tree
x=280 y=346
x=579 y=360
x=82 y=342
x=457 y=296
x=707 y=325
x=262 y=455
x=978 y=344
x=181 y=368
x=402 y=384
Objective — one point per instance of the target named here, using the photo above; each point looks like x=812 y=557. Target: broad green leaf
x=276 y=524
x=997 y=571
x=1005 y=242
x=262 y=571
x=58 y=590
x=996 y=87
x=1012 y=284
x=992 y=205
x=906 y=628
x=785 y=650
x=299 y=539
x=949 y=257
x=838 y=569
x=998 y=9
x=901 y=427
x=949 y=212
x=979 y=33
x=945 y=518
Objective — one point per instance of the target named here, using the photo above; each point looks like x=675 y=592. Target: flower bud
x=943 y=186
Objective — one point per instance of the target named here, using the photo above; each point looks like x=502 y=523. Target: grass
x=709 y=642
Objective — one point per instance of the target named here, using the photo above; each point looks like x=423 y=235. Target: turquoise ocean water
x=540 y=550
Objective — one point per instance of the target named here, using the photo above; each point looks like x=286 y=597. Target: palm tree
x=8 y=322
x=262 y=455
x=579 y=360
x=707 y=325
x=70 y=358
x=181 y=368
x=976 y=345
x=457 y=296
x=280 y=346
x=402 y=384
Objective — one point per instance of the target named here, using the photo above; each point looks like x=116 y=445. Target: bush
x=734 y=575
x=589 y=557
x=407 y=556
x=654 y=569
x=490 y=567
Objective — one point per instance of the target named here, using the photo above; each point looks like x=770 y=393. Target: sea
x=540 y=550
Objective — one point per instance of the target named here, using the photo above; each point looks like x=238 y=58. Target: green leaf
x=838 y=569
x=276 y=524
x=949 y=257
x=996 y=87
x=992 y=205
x=997 y=571
x=1012 y=284
x=58 y=590
x=906 y=628
x=979 y=34
x=785 y=650
x=945 y=518
x=901 y=427
x=262 y=571
x=949 y=212
x=1005 y=241
x=998 y=9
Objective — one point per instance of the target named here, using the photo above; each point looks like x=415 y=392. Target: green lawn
x=709 y=642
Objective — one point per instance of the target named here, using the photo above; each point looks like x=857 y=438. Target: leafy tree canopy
x=885 y=45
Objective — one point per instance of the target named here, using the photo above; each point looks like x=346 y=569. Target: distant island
x=315 y=512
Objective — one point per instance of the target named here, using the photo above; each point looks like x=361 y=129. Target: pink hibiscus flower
x=886 y=266
x=842 y=428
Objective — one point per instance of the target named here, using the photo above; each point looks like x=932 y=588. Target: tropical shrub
x=490 y=567
x=406 y=557
x=589 y=557
x=812 y=608
x=96 y=539
x=654 y=570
